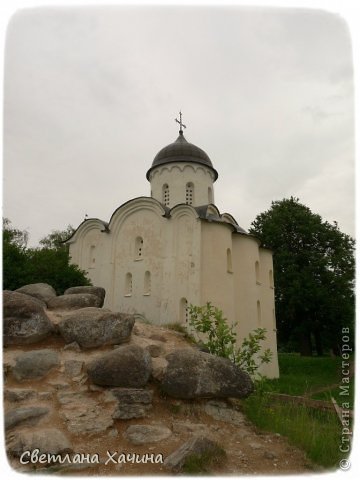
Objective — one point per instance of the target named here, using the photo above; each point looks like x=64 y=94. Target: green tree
x=14 y=255
x=56 y=238
x=314 y=269
x=47 y=264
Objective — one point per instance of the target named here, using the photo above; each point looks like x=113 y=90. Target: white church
x=159 y=254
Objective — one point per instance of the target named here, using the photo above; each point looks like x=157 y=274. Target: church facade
x=159 y=254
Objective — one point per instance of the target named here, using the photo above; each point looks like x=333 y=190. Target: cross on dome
x=180 y=122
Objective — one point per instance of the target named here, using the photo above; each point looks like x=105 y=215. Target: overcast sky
x=91 y=95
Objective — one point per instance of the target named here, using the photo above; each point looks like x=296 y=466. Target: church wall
x=177 y=176
x=137 y=247
x=216 y=280
x=239 y=287
x=254 y=297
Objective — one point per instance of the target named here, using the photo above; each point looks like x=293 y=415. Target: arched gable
x=88 y=225
x=183 y=210
x=136 y=204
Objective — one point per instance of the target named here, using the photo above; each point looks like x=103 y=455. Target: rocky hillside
x=107 y=395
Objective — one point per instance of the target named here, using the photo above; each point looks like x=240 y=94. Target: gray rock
x=18 y=394
x=98 y=291
x=255 y=445
x=42 y=291
x=128 y=366
x=93 y=327
x=74 y=301
x=142 y=434
x=73 y=367
x=220 y=411
x=47 y=440
x=132 y=395
x=158 y=368
x=82 y=414
x=155 y=350
x=198 y=445
x=269 y=455
x=35 y=364
x=194 y=374
x=25 y=321
x=45 y=395
x=132 y=402
x=73 y=347
x=127 y=412
x=24 y=415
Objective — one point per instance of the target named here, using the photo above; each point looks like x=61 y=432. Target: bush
x=221 y=338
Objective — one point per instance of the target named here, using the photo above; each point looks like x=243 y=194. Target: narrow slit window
x=258 y=308
x=128 y=284
x=184 y=311
x=189 y=194
x=257 y=272
x=147 y=283
x=271 y=279
x=229 y=260
x=139 y=244
x=166 y=194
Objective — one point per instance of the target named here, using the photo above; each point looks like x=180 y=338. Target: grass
x=317 y=432
x=202 y=462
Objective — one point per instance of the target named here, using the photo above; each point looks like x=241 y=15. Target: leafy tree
x=314 y=271
x=47 y=264
x=14 y=255
x=57 y=238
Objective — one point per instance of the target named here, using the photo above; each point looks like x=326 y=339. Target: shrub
x=221 y=338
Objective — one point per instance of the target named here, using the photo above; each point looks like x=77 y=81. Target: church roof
x=182 y=151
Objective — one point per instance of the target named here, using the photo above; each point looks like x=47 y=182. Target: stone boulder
x=74 y=301
x=35 y=364
x=24 y=415
x=196 y=446
x=144 y=434
x=25 y=320
x=98 y=291
x=42 y=291
x=132 y=402
x=194 y=374
x=128 y=366
x=47 y=440
x=93 y=327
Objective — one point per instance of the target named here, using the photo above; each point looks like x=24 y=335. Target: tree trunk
x=318 y=343
x=305 y=344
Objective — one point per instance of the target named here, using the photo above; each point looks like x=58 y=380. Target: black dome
x=182 y=151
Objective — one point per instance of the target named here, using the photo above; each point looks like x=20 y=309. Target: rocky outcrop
x=194 y=374
x=24 y=415
x=197 y=446
x=98 y=291
x=47 y=440
x=93 y=327
x=35 y=364
x=132 y=402
x=42 y=291
x=146 y=434
x=25 y=320
x=74 y=301
x=127 y=366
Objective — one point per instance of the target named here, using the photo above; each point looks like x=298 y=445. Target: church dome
x=182 y=151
